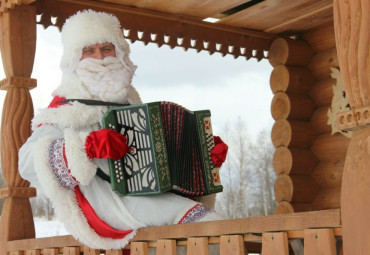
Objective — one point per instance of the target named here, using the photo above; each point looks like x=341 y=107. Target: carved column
x=18 y=44
x=351 y=20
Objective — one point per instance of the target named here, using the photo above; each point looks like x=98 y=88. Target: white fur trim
x=67 y=208
x=76 y=115
x=133 y=96
x=69 y=87
x=82 y=168
x=88 y=27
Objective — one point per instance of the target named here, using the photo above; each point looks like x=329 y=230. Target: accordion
x=169 y=150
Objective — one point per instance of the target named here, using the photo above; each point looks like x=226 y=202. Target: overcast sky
x=230 y=88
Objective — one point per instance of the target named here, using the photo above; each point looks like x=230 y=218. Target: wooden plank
x=16 y=253
x=166 y=247
x=114 y=252
x=139 y=248
x=317 y=18
x=51 y=251
x=275 y=243
x=41 y=243
x=295 y=221
x=197 y=246
x=90 y=251
x=286 y=222
x=319 y=241
x=278 y=12
x=232 y=244
x=32 y=252
x=172 y=26
x=71 y=250
x=195 y=8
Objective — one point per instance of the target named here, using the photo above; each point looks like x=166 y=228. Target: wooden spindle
x=72 y=251
x=166 y=247
x=351 y=25
x=32 y=252
x=114 y=252
x=51 y=251
x=319 y=241
x=275 y=243
x=18 y=45
x=198 y=245
x=90 y=251
x=232 y=244
x=139 y=248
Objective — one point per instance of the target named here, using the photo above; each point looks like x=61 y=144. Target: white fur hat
x=88 y=27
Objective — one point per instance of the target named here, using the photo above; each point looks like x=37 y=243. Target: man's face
x=99 y=51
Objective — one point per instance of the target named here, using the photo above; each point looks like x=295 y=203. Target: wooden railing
x=320 y=232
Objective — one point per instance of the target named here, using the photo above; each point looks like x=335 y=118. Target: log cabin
x=319 y=51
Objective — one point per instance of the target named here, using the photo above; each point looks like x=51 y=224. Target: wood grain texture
x=166 y=247
x=293 y=161
x=232 y=244
x=289 y=52
x=18 y=44
x=319 y=241
x=275 y=243
x=291 y=79
x=198 y=245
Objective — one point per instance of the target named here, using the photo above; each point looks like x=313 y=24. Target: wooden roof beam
x=163 y=28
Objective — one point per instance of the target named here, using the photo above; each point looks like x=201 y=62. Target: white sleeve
x=27 y=153
x=52 y=155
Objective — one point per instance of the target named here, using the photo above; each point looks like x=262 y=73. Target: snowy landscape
x=46 y=228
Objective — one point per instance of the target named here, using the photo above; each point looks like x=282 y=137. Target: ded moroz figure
x=68 y=143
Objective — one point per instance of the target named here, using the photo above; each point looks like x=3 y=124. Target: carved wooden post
x=18 y=43
x=351 y=20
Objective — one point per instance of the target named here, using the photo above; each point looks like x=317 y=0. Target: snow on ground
x=46 y=228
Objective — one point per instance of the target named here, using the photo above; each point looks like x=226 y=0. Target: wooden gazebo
x=322 y=184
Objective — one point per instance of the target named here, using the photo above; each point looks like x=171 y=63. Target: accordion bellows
x=169 y=150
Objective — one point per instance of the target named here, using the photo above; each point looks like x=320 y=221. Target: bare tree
x=247 y=175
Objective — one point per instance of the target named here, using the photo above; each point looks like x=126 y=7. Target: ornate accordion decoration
x=169 y=150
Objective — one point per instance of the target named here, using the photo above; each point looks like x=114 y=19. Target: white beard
x=104 y=79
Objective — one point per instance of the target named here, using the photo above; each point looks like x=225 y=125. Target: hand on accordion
x=106 y=143
x=219 y=152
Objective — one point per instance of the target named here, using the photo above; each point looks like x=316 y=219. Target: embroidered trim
x=58 y=164
x=195 y=214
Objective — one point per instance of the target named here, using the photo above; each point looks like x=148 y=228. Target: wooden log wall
x=308 y=160
x=330 y=149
